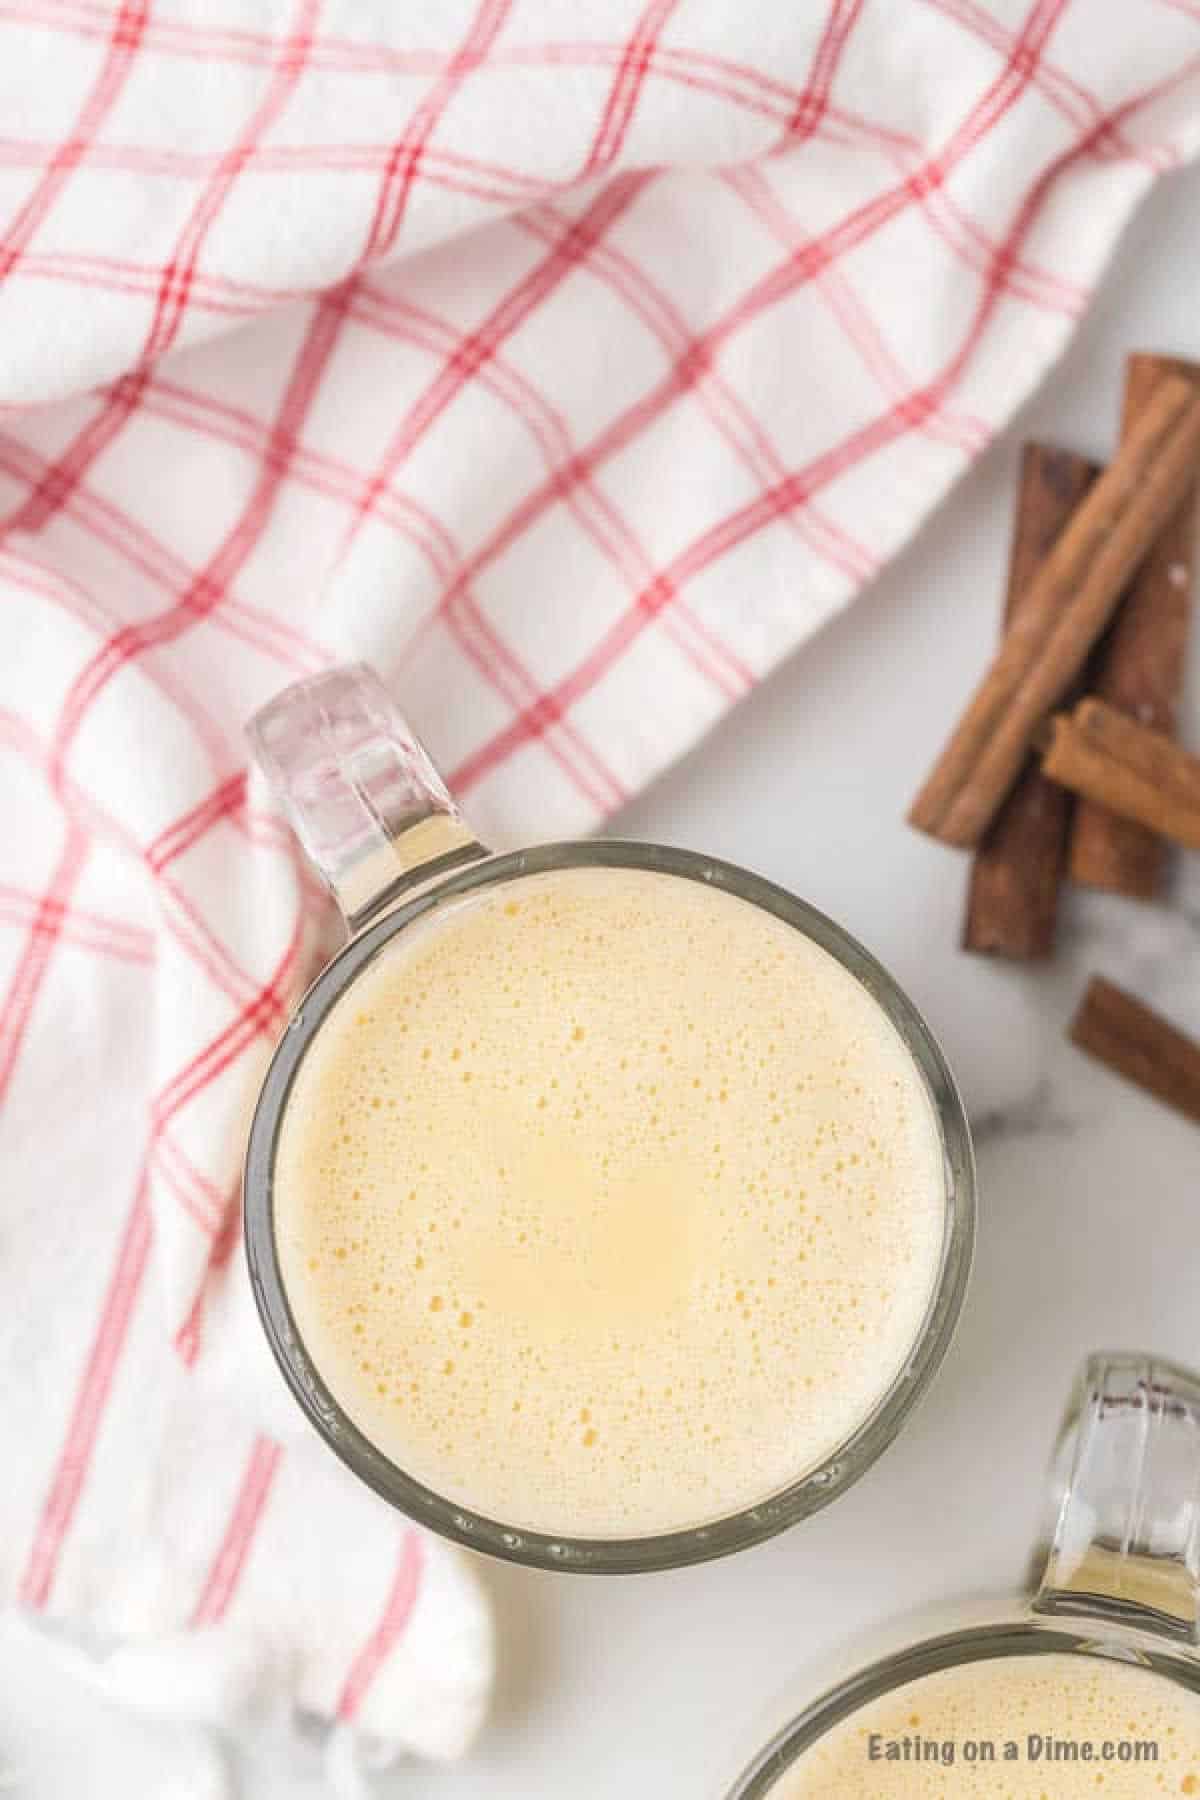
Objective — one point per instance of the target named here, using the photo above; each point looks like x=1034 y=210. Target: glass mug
x=376 y=821
x=1120 y=1586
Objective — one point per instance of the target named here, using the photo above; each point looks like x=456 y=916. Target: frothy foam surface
x=1031 y=1702
x=607 y=1203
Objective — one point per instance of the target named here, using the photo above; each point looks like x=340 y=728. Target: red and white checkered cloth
x=569 y=361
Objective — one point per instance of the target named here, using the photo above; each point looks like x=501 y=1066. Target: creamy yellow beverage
x=607 y=1204
x=1052 y=1727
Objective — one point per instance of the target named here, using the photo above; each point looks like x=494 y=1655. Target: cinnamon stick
x=1140 y=666
x=1138 y=1043
x=1139 y=774
x=1012 y=896
x=1071 y=601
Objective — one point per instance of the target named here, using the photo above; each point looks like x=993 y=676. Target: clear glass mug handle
x=371 y=812
x=1126 y=1492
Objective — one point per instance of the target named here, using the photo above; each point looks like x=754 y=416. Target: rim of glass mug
x=1121 y=1574
x=421 y=889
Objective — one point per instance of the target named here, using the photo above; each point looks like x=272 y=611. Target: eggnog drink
x=608 y=1204
x=1047 y=1727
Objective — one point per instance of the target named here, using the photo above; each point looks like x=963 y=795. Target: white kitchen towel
x=570 y=360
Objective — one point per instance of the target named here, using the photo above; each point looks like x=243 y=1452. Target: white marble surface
x=1090 y=1228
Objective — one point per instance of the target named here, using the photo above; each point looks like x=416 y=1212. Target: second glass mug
x=1119 y=1588
x=376 y=821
